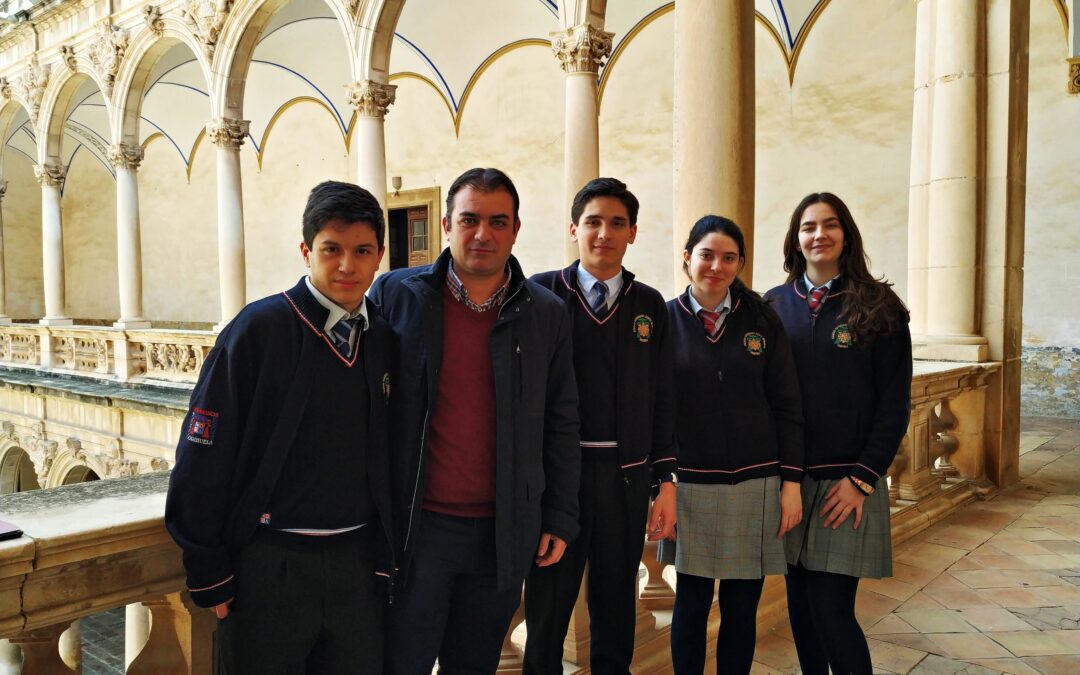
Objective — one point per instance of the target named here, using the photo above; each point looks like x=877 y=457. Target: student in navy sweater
x=623 y=369
x=280 y=497
x=739 y=445
x=849 y=334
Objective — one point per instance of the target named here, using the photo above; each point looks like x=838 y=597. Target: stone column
x=580 y=51
x=4 y=318
x=920 y=168
x=126 y=159
x=228 y=135
x=952 y=213
x=51 y=176
x=371 y=100
x=713 y=117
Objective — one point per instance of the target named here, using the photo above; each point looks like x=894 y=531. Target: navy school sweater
x=857 y=399
x=245 y=423
x=643 y=404
x=739 y=409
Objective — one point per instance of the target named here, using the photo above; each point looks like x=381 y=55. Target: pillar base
x=969 y=348
x=5 y=320
x=56 y=321
x=131 y=324
x=218 y=327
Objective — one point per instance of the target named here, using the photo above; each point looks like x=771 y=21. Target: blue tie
x=341 y=332
x=599 y=306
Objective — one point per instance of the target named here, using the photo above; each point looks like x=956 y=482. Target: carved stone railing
x=148 y=355
x=89 y=548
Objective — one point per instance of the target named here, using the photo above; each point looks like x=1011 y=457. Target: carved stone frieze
x=206 y=18
x=31 y=85
x=581 y=49
x=159 y=464
x=1074 y=75
x=126 y=156
x=117 y=467
x=19 y=348
x=106 y=52
x=67 y=55
x=226 y=132
x=173 y=359
x=152 y=17
x=50 y=175
x=5 y=88
x=370 y=98
x=7 y=430
x=82 y=353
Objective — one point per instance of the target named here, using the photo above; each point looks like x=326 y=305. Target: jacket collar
x=569 y=279
x=736 y=299
x=315 y=315
x=799 y=285
x=435 y=275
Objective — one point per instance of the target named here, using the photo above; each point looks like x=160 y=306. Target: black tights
x=738 y=624
x=821 y=606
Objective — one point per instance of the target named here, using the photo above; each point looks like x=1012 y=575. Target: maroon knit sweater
x=461 y=446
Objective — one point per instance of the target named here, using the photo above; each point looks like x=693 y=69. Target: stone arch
x=17 y=471
x=133 y=79
x=58 y=99
x=236 y=46
x=377 y=23
x=9 y=111
x=80 y=473
x=73 y=465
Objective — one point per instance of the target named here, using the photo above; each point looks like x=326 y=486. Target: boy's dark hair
x=484 y=180
x=349 y=203
x=604 y=187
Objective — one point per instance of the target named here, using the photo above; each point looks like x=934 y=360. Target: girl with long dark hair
x=739 y=449
x=852 y=348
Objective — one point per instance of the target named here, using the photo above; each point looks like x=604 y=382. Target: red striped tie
x=815 y=297
x=711 y=320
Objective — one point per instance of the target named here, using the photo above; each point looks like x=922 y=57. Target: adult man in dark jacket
x=485 y=427
x=280 y=498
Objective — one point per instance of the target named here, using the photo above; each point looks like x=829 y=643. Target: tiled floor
x=992 y=589
x=103 y=643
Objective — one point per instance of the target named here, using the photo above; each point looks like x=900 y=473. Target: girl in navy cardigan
x=739 y=438
x=852 y=348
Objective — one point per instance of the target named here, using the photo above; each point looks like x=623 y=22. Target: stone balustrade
x=100 y=545
x=146 y=355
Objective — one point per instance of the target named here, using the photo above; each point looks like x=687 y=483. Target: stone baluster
x=916 y=480
x=512 y=657
x=11 y=661
x=943 y=443
x=899 y=463
x=41 y=650
x=658 y=593
x=70 y=646
x=136 y=630
x=180 y=641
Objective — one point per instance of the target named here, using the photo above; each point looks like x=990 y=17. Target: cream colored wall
x=22 y=239
x=89 y=221
x=1052 y=239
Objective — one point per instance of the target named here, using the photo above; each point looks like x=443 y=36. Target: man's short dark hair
x=604 y=187
x=334 y=200
x=484 y=180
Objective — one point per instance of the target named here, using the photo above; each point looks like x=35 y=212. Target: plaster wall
x=89 y=222
x=22 y=239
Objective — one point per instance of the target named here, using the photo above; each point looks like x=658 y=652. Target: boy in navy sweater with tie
x=623 y=365
x=280 y=496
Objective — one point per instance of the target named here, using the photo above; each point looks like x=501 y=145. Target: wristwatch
x=862 y=486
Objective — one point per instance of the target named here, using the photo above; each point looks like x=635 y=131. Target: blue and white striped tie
x=341 y=332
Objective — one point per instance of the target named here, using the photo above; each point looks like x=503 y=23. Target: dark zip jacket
x=242 y=422
x=645 y=404
x=536 y=409
x=857 y=400
x=739 y=410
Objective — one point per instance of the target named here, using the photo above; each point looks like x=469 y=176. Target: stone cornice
x=581 y=49
x=370 y=98
x=227 y=132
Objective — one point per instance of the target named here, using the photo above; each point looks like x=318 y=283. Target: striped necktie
x=341 y=332
x=711 y=320
x=815 y=297
x=599 y=305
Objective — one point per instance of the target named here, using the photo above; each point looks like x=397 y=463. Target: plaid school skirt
x=865 y=552
x=728 y=531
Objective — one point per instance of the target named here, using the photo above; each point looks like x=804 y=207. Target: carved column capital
x=1074 y=75
x=51 y=175
x=581 y=49
x=227 y=133
x=126 y=156
x=370 y=98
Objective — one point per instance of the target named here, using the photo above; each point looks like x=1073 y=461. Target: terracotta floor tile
x=891 y=624
x=946 y=582
x=937 y=621
x=940 y=665
x=1029 y=643
x=963 y=599
x=893 y=658
x=1013 y=545
x=983 y=519
x=1007 y=578
x=999 y=562
x=991 y=619
x=1051 y=618
x=1074 y=500
x=910 y=640
x=932 y=556
x=891 y=587
x=971 y=562
x=1066 y=664
x=913 y=574
x=776 y=652
x=1011 y=666
x=922 y=600
x=757 y=668
x=1053 y=561
x=1064 y=595
x=1016 y=597
x=958 y=536
x=1070 y=638
x=964 y=646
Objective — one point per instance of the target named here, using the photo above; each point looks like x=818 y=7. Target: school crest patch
x=386 y=386
x=643 y=327
x=754 y=343
x=841 y=336
x=202 y=427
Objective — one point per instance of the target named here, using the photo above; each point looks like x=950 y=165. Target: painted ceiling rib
x=431 y=64
x=322 y=95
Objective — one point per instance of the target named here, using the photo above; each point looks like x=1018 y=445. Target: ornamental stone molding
x=581 y=49
x=370 y=98
x=1074 y=75
x=50 y=175
x=152 y=17
x=206 y=18
x=126 y=156
x=159 y=464
x=31 y=85
x=227 y=133
x=5 y=88
x=106 y=52
x=67 y=55
x=3 y=189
